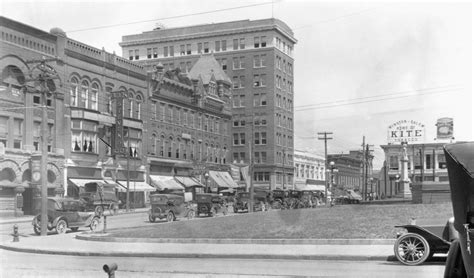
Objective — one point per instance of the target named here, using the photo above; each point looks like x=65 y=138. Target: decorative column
x=405 y=181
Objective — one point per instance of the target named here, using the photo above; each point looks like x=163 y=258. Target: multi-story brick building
x=258 y=56
x=80 y=105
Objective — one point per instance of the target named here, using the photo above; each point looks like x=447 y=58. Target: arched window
x=162 y=146
x=153 y=143
x=83 y=101
x=138 y=107
x=94 y=92
x=13 y=78
x=130 y=105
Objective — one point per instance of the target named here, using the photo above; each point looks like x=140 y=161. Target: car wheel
x=37 y=228
x=191 y=214
x=412 y=249
x=170 y=217
x=94 y=224
x=74 y=229
x=151 y=218
x=61 y=226
x=99 y=211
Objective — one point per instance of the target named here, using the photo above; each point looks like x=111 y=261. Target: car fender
x=56 y=220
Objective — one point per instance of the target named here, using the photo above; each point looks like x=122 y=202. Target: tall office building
x=258 y=56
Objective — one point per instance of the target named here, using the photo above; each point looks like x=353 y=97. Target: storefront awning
x=310 y=187
x=188 y=181
x=135 y=186
x=165 y=182
x=223 y=179
x=82 y=182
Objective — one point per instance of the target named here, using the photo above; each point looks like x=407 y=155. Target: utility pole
x=283 y=168
x=251 y=202
x=324 y=136
x=44 y=78
x=364 y=193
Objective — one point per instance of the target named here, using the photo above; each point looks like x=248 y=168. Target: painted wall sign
x=444 y=128
x=406 y=131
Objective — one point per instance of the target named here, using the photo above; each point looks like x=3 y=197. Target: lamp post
x=397 y=180
x=206 y=178
x=331 y=181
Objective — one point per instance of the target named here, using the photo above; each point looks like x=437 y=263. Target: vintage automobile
x=242 y=202
x=279 y=199
x=169 y=206
x=64 y=213
x=307 y=198
x=460 y=164
x=98 y=196
x=417 y=244
x=262 y=197
x=210 y=204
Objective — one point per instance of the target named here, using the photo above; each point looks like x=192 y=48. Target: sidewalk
x=69 y=244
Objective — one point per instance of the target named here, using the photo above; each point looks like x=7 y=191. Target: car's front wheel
x=412 y=249
x=170 y=217
x=37 y=228
x=61 y=227
x=151 y=218
x=94 y=224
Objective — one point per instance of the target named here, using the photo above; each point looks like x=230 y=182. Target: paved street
x=13 y=265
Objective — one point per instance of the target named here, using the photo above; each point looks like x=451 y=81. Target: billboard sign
x=444 y=128
x=406 y=131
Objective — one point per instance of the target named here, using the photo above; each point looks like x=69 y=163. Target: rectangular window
x=236 y=139
x=137 y=54
x=171 y=51
x=441 y=161
x=263 y=41
x=393 y=162
x=256 y=42
x=148 y=53
x=206 y=47
x=235 y=44
x=217 y=46
x=182 y=50
x=428 y=161
x=259 y=80
x=242 y=138
x=130 y=54
x=224 y=64
x=3 y=125
x=155 y=52
x=199 y=47
x=17 y=127
x=242 y=43
x=165 y=51
x=188 y=49
x=224 y=45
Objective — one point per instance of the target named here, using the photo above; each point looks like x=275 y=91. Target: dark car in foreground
x=64 y=213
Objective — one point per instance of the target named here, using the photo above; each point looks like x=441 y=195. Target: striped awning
x=223 y=179
x=135 y=186
x=188 y=181
x=165 y=182
x=82 y=182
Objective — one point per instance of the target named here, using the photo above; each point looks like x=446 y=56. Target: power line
x=170 y=17
x=374 y=100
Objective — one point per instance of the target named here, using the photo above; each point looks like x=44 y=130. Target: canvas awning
x=82 y=182
x=135 y=186
x=223 y=179
x=188 y=181
x=165 y=182
x=310 y=187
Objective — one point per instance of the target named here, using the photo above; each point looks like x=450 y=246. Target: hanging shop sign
x=406 y=131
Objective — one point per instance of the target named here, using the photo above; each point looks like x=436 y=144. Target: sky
x=359 y=66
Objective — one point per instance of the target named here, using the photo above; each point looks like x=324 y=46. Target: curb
x=106 y=238
x=200 y=255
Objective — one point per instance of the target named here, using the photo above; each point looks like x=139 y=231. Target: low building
x=310 y=171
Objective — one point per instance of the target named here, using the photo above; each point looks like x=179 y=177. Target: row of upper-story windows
x=283 y=102
x=284 y=121
x=197 y=48
x=169 y=113
x=309 y=171
x=438 y=161
x=284 y=46
x=259 y=80
x=86 y=94
x=12 y=135
x=180 y=149
x=284 y=140
x=28 y=43
x=283 y=65
x=284 y=84
x=284 y=158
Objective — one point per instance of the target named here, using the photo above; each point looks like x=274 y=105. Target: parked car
x=460 y=164
x=169 y=206
x=64 y=213
x=99 y=195
x=279 y=199
x=417 y=244
x=210 y=204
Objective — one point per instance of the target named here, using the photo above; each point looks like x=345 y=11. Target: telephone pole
x=45 y=79
x=324 y=136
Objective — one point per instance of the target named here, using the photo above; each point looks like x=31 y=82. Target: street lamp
x=397 y=180
x=331 y=181
x=206 y=177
